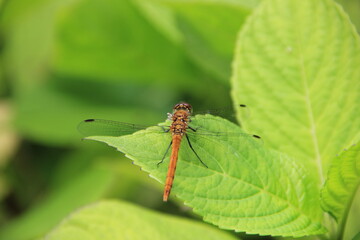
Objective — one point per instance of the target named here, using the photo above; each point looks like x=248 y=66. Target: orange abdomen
x=176 y=140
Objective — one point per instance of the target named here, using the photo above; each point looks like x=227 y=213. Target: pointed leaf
x=109 y=220
x=342 y=182
x=296 y=67
x=245 y=187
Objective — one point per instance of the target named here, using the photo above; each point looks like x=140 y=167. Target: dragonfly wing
x=200 y=132
x=100 y=127
x=254 y=140
x=225 y=112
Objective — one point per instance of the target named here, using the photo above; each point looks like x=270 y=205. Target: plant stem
x=330 y=224
x=343 y=221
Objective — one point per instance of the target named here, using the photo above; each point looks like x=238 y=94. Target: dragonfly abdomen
x=176 y=141
x=178 y=128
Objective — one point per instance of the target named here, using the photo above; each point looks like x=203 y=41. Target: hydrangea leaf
x=342 y=182
x=296 y=67
x=109 y=220
x=245 y=187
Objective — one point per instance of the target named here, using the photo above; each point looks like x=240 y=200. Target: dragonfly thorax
x=180 y=122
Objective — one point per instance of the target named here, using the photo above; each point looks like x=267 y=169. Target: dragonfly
x=180 y=128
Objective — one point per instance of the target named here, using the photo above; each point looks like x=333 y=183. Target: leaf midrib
x=307 y=99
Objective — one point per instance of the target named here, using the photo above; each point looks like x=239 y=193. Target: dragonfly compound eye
x=183 y=106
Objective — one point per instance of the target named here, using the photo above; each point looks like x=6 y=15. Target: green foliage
x=210 y=40
x=352 y=8
x=84 y=69
x=41 y=120
x=124 y=46
x=206 y=29
x=357 y=237
x=44 y=217
x=240 y=188
x=79 y=91
x=127 y=221
x=61 y=201
x=342 y=182
x=296 y=66
x=77 y=183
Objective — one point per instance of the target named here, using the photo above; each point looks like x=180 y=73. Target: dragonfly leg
x=194 y=130
x=165 y=130
x=188 y=140
x=167 y=150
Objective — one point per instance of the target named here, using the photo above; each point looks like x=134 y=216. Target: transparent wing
x=225 y=112
x=101 y=127
x=202 y=132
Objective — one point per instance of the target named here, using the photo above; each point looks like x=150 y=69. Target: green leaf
x=29 y=27
x=97 y=39
x=352 y=220
x=162 y=18
x=109 y=220
x=90 y=168
x=60 y=202
x=209 y=40
x=342 y=182
x=48 y=113
x=245 y=187
x=296 y=67
x=91 y=39
x=352 y=8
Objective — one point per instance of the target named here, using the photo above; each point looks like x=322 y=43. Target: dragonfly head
x=183 y=106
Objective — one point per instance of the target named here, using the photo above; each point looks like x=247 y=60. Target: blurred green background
x=63 y=61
